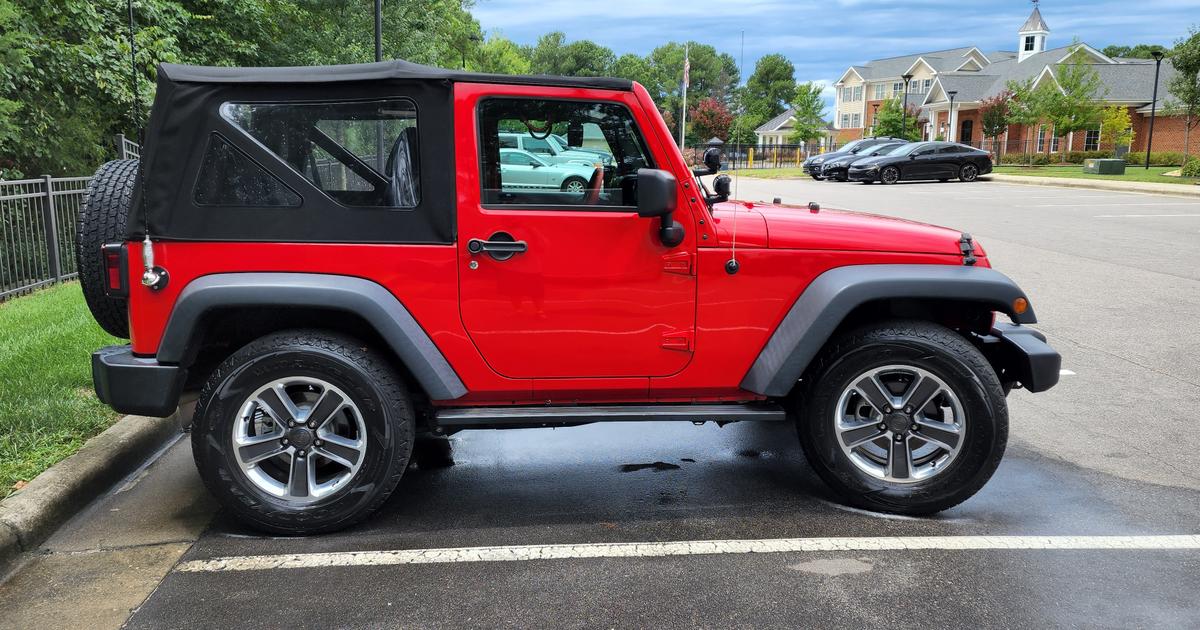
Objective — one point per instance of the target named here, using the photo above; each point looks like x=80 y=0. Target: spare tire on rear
x=102 y=220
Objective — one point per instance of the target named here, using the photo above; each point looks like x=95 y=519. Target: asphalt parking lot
x=1082 y=525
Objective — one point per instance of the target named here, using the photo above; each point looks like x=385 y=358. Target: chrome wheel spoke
x=259 y=449
x=859 y=435
x=273 y=402
x=899 y=464
x=329 y=404
x=341 y=450
x=938 y=433
x=920 y=393
x=299 y=476
x=870 y=389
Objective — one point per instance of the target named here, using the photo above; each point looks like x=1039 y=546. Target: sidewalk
x=1099 y=184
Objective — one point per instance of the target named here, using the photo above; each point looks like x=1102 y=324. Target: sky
x=824 y=38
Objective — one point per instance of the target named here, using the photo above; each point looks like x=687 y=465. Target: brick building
x=973 y=75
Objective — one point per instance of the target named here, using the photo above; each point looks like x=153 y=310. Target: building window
x=1053 y=140
x=925 y=85
x=1091 y=141
x=897 y=88
x=1029 y=43
x=856 y=121
x=858 y=92
x=845 y=121
x=880 y=91
x=847 y=94
x=1041 y=139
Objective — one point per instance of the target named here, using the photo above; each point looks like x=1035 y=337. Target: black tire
x=102 y=218
x=369 y=382
x=566 y=185
x=890 y=173
x=816 y=177
x=968 y=172
x=943 y=180
x=939 y=351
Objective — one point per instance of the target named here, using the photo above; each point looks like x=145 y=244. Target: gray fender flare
x=367 y=299
x=830 y=297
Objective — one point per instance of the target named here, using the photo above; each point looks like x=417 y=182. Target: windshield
x=905 y=149
x=855 y=147
x=884 y=149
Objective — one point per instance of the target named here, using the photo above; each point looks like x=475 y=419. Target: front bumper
x=136 y=385
x=830 y=171
x=1022 y=355
x=811 y=169
x=856 y=175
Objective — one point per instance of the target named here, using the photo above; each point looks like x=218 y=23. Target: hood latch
x=967 y=247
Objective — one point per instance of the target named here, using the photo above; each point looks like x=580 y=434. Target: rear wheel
x=968 y=172
x=889 y=175
x=303 y=432
x=102 y=219
x=576 y=185
x=904 y=417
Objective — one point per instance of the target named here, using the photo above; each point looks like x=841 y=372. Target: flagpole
x=683 y=116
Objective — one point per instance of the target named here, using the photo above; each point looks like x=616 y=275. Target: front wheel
x=905 y=417
x=968 y=172
x=815 y=176
x=576 y=185
x=303 y=432
x=889 y=175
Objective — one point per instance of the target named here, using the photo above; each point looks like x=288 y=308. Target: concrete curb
x=31 y=515
x=1100 y=184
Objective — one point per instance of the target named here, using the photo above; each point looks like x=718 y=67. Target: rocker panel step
x=498 y=416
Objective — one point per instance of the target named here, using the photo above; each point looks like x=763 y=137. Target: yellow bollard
x=751 y=158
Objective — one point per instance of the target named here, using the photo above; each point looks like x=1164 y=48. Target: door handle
x=500 y=246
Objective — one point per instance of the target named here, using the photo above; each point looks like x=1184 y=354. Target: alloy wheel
x=575 y=186
x=969 y=173
x=299 y=439
x=899 y=423
x=890 y=175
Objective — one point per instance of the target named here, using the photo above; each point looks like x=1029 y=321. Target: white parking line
x=1065 y=372
x=1123 y=203
x=686 y=548
x=1141 y=216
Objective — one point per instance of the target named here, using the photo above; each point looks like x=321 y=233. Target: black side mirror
x=657 y=190
x=574 y=134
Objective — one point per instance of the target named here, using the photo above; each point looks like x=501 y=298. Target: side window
x=229 y=177
x=359 y=153
x=598 y=167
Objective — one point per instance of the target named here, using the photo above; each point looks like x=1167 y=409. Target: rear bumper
x=1021 y=354
x=136 y=385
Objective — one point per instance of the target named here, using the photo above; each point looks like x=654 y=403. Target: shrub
x=1041 y=159
x=1078 y=157
x=1192 y=168
x=1157 y=158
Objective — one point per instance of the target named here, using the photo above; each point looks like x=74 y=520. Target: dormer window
x=1029 y=43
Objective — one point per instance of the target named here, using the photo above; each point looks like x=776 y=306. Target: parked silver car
x=551 y=150
x=522 y=170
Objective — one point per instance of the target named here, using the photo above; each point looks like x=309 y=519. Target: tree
x=712 y=74
x=582 y=58
x=1139 y=51
x=709 y=118
x=809 y=112
x=500 y=55
x=771 y=88
x=742 y=132
x=892 y=121
x=993 y=115
x=1029 y=105
x=1075 y=106
x=1116 y=127
x=1185 y=85
x=635 y=68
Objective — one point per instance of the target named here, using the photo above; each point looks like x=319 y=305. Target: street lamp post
x=378 y=30
x=874 y=117
x=950 y=116
x=1158 y=57
x=904 y=106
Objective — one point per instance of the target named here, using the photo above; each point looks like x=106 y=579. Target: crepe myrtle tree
x=1116 y=127
x=1184 y=87
x=993 y=116
x=894 y=122
x=709 y=119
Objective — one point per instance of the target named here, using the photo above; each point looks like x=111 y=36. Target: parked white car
x=522 y=170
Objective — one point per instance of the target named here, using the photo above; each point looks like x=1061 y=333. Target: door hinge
x=967 y=247
x=677 y=340
x=678 y=262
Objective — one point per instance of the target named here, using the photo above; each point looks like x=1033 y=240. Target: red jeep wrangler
x=342 y=258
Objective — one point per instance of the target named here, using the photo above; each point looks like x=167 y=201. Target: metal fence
x=37 y=232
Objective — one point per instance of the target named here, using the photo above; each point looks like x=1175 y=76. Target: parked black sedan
x=835 y=168
x=812 y=166
x=942 y=161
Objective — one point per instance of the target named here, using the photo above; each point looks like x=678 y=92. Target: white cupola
x=1032 y=35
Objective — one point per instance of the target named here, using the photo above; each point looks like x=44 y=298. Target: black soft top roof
x=378 y=71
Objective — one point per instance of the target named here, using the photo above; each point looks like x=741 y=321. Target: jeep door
x=590 y=291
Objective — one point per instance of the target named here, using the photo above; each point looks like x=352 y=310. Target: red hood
x=797 y=227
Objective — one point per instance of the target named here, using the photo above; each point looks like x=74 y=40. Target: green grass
x=1132 y=173
x=47 y=406
x=770 y=173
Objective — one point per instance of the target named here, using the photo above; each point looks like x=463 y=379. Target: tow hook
x=153 y=277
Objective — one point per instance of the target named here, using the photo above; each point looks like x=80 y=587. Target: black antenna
x=732 y=266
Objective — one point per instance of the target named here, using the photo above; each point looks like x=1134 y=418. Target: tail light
x=116 y=270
